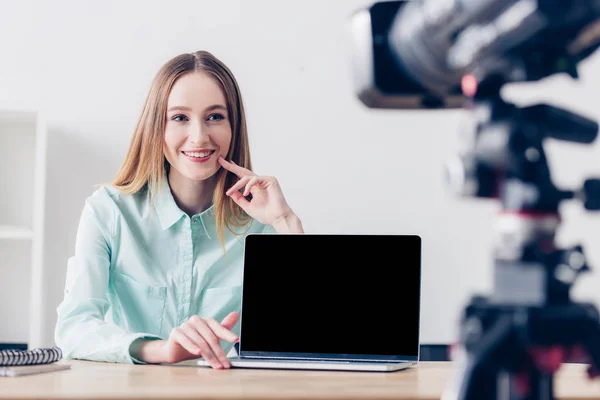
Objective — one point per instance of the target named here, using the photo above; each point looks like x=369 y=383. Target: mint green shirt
x=142 y=269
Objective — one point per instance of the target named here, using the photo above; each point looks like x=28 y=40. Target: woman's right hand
x=200 y=337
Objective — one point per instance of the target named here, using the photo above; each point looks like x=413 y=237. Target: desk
x=90 y=380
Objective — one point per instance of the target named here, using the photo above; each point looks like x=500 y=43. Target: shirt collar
x=166 y=208
x=168 y=211
x=208 y=220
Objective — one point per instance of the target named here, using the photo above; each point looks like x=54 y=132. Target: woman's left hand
x=268 y=205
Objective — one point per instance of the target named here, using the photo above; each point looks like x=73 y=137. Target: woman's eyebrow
x=180 y=108
x=209 y=108
x=216 y=107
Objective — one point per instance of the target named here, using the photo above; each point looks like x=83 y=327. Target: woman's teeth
x=198 y=154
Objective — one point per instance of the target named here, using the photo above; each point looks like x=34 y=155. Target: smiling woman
x=152 y=246
x=196 y=135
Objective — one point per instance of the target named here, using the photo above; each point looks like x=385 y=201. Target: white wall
x=344 y=168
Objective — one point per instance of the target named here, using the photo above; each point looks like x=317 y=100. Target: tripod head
x=503 y=158
x=508 y=337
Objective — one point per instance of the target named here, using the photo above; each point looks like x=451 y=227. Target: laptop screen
x=330 y=296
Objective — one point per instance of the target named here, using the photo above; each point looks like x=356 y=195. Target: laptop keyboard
x=327 y=360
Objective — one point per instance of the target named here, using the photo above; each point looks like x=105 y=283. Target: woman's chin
x=200 y=176
x=195 y=174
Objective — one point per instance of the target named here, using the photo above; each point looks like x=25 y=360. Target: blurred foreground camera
x=459 y=54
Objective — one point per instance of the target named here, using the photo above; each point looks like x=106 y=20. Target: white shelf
x=23 y=145
x=15 y=232
x=15 y=273
x=17 y=116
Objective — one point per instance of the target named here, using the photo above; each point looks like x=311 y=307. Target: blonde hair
x=145 y=163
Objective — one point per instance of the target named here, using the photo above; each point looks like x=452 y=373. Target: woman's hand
x=198 y=337
x=268 y=205
x=201 y=337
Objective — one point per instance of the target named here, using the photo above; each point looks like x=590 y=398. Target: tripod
x=513 y=341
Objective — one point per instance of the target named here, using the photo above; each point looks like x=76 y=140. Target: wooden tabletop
x=90 y=380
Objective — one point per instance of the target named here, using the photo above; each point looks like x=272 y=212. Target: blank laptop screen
x=355 y=295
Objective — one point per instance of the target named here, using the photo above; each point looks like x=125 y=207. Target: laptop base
x=237 y=362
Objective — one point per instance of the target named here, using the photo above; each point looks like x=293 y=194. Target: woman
x=157 y=270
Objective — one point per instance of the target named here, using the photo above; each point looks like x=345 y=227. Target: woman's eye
x=216 y=117
x=179 y=118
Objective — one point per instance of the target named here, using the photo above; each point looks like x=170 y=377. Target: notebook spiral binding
x=30 y=357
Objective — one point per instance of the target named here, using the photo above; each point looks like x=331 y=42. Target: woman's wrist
x=147 y=350
x=288 y=223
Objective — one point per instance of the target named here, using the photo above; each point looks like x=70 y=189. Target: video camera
x=448 y=54
x=414 y=54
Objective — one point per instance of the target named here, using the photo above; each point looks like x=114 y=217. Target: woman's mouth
x=198 y=156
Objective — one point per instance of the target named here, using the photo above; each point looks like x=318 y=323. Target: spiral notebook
x=28 y=362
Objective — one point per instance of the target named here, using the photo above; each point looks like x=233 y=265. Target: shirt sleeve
x=81 y=330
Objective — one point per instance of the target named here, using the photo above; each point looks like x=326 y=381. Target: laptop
x=330 y=302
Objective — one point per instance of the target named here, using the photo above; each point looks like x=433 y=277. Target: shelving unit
x=23 y=147
x=15 y=232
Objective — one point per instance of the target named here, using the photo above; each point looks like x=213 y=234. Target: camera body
x=414 y=54
x=379 y=80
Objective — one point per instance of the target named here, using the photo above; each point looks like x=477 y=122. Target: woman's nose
x=199 y=133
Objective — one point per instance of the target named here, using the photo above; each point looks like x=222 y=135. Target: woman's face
x=198 y=128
